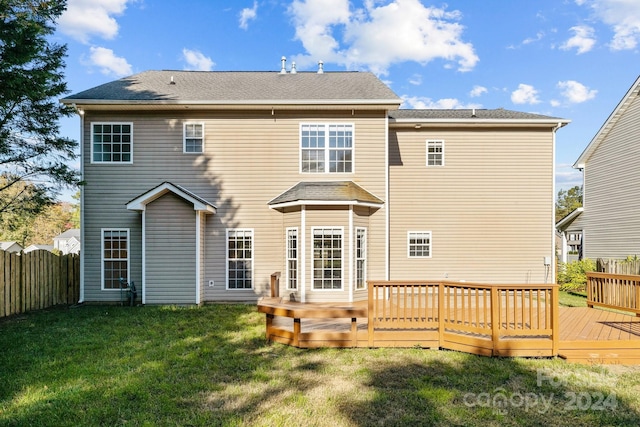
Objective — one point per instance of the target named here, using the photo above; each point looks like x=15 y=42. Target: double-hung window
x=419 y=244
x=435 y=153
x=292 y=258
x=361 y=258
x=326 y=148
x=111 y=142
x=239 y=259
x=115 y=257
x=193 y=138
x=327 y=258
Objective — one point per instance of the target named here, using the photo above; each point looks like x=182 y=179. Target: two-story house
x=200 y=185
x=611 y=171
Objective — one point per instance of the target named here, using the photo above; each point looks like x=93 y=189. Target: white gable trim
x=619 y=111
x=140 y=203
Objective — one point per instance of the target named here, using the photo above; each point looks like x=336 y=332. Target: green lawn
x=210 y=366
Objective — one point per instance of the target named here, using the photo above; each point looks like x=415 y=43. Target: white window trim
x=439 y=141
x=184 y=137
x=326 y=148
x=355 y=266
x=91 y=143
x=409 y=233
x=102 y=259
x=297 y=258
x=342 y=278
x=253 y=259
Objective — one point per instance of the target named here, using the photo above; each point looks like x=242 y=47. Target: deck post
x=296 y=332
x=370 y=316
x=555 y=320
x=495 y=319
x=440 y=314
x=354 y=331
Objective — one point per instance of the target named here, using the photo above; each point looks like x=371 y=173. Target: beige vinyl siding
x=611 y=204
x=250 y=158
x=170 y=242
x=489 y=209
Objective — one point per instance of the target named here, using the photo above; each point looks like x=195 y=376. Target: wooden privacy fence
x=618 y=266
x=37 y=280
x=499 y=320
x=616 y=291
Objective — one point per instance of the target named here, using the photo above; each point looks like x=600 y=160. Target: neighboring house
x=610 y=163
x=34 y=247
x=200 y=185
x=68 y=242
x=570 y=229
x=10 y=246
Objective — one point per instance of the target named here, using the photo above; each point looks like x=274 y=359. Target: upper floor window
x=326 y=148
x=435 y=153
x=419 y=244
x=193 y=137
x=111 y=142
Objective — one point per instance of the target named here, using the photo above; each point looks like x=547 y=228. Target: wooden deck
x=516 y=322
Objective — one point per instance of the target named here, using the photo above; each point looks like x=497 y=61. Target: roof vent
x=293 y=68
x=473 y=112
x=320 y=67
x=283 y=70
x=172 y=82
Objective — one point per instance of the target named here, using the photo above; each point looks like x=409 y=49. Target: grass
x=210 y=366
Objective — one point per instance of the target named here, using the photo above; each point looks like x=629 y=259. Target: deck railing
x=615 y=291
x=460 y=315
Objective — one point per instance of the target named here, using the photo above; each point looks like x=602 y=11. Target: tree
x=20 y=204
x=31 y=81
x=568 y=201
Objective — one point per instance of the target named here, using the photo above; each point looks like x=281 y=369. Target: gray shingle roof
x=331 y=191
x=239 y=87
x=461 y=114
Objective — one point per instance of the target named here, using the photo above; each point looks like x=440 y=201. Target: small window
x=327 y=258
x=361 y=258
x=419 y=244
x=111 y=142
x=326 y=148
x=193 y=137
x=435 y=153
x=115 y=257
x=239 y=259
x=292 y=258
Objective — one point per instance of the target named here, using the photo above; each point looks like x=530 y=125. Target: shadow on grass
x=211 y=366
x=454 y=389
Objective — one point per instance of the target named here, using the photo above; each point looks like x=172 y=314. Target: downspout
x=82 y=242
x=554 y=260
x=387 y=237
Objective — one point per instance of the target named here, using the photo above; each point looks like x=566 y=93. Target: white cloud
x=416 y=79
x=248 y=14
x=421 y=103
x=583 y=39
x=623 y=16
x=379 y=35
x=576 y=93
x=108 y=62
x=86 y=18
x=539 y=36
x=525 y=94
x=477 y=91
x=196 y=60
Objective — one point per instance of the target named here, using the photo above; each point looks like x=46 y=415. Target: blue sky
x=573 y=59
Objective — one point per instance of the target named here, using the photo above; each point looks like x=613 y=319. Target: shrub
x=572 y=276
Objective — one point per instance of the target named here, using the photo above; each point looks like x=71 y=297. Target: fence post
x=370 y=315
x=440 y=314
